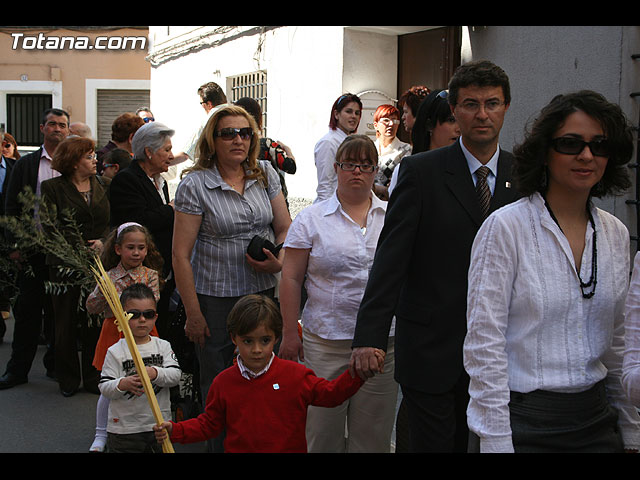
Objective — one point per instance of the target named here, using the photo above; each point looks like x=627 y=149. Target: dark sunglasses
x=573 y=146
x=148 y=314
x=149 y=119
x=230 y=133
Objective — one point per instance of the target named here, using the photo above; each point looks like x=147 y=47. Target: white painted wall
x=308 y=67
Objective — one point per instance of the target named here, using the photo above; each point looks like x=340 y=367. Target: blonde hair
x=206 y=151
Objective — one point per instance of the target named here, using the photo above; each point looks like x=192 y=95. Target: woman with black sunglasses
x=225 y=200
x=547 y=285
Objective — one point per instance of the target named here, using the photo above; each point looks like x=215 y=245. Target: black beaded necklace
x=594 y=255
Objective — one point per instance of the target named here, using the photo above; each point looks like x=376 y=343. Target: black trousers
x=72 y=334
x=438 y=422
x=32 y=309
x=546 y=422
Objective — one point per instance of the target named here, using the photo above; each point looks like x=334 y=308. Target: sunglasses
x=230 y=133
x=573 y=146
x=148 y=314
x=149 y=119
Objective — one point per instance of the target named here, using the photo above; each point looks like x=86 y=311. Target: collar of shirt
x=474 y=164
x=45 y=154
x=395 y=145
x=120 y=272
x=249 y=374
x=333 y=205
x=213 y=179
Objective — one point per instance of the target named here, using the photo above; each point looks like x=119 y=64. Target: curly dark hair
x=530 y=171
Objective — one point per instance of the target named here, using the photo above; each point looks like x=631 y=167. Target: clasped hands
x=366 y=362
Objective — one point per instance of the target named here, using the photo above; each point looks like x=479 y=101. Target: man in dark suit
x=31 y=170
x=6 y=165
x=420 y=269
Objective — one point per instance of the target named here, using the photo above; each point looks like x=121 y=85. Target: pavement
x=36 y=418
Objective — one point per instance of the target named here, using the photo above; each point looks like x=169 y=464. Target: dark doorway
x=427 y=58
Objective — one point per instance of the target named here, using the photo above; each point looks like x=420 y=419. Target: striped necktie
x=482 y=188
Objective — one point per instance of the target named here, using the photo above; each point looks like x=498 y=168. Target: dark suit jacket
x=24 y=172
x=135 y=199
x=9 y=163
x=92 y=219
x=420 y=268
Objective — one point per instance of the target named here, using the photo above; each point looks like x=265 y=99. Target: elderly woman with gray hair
x=139 y=194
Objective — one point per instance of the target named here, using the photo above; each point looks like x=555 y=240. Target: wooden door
x=427 y=58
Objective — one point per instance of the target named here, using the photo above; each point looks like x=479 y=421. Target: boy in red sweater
x=261 y=401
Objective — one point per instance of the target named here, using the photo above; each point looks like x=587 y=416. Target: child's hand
x=152 y=373
x=380 y=356
x=162 y=431
x=131 y=384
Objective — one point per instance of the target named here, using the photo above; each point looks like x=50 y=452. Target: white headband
x=125 y=225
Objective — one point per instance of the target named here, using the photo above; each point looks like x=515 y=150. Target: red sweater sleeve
x=331 y=393
x=209 y=424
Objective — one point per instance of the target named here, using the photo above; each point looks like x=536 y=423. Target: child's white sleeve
x=110 y=376
x=169 y=374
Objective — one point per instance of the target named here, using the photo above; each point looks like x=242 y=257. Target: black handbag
x=256 y=245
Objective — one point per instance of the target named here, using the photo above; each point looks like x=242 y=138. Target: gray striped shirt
x=229 y=221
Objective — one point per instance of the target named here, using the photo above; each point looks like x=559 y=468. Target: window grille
x=253 y=85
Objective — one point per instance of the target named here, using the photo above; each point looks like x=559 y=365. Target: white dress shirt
x=631 y=365
x=324 y=154
x=340 y=258
x=45 y=172
x=528 y=325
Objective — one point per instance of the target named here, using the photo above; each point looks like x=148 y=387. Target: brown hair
x=110 y=258
x=69 y=152
x=206 y=150
x=250 y=312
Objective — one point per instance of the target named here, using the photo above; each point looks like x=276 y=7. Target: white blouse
x=340 y=258
x=528 y=325
x=324 y=154
x=631 y=364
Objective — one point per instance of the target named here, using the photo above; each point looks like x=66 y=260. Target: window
x=24 y=115
x=253 y=85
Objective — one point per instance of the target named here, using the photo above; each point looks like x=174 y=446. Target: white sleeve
x=325 y=157
x=491 y=277
x=169 y=374
x=111 y=375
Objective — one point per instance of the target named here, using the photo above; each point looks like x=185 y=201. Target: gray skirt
x=546 y=422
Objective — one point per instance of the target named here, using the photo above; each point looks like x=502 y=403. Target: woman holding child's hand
x=330 y=248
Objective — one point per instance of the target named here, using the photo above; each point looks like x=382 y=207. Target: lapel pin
x=276 y=386
x=507 y=184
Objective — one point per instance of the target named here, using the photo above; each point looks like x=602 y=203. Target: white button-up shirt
x=340 y=258
x=631 y=365
x=528 y=325
x=324 y=154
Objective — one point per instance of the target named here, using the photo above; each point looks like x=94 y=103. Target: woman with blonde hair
x=226 y=200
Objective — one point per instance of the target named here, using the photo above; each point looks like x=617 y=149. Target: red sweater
x=266 y=414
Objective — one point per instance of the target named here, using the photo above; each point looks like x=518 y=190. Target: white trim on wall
x=28 y=86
